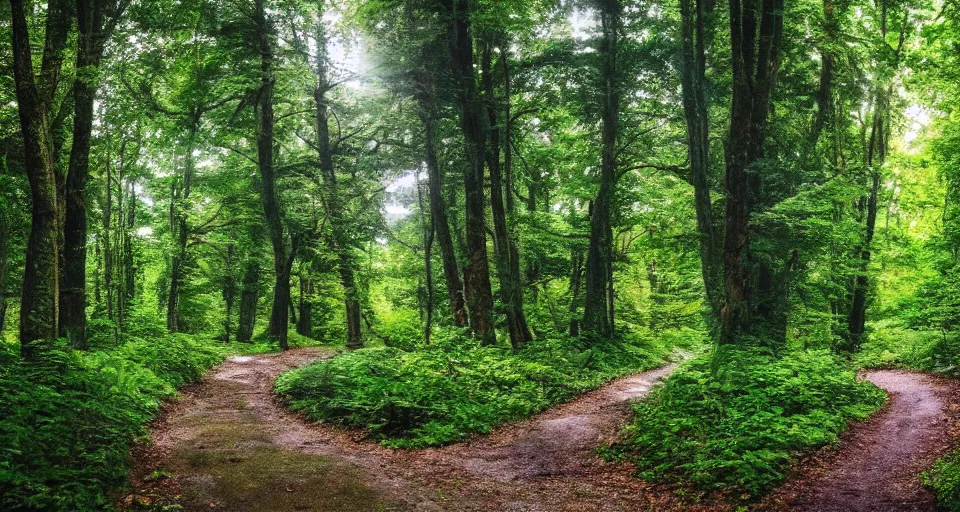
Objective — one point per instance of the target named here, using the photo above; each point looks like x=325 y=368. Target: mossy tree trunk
x=754 y=292
x=477 y=288
x=40 y=298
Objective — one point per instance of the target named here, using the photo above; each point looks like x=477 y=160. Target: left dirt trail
x=227 y=445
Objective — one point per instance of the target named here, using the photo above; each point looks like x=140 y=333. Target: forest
x=348 y=255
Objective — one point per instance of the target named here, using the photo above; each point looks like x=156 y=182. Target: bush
x=890 y=344
x=456 y=387
x=893 y=345
x=944 y=479
x=400 y=329
x=738 y=431
x=67 y=422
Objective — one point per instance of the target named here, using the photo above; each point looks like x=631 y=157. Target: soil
x=877 y=465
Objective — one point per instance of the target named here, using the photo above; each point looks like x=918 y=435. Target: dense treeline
x=516 y=146
x=574 y=188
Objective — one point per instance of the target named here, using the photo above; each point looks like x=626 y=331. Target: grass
x=456 y=388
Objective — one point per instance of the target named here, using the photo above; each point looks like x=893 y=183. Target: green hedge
x=67 y=422
x=455 y=387
x=738 y=430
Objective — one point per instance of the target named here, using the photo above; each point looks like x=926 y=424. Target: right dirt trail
x=877 y=466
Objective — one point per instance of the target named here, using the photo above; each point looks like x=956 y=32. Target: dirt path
x=877 y=464
x=226 y=445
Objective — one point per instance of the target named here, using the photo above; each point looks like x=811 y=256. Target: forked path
x=226 y=445
x=877 y=465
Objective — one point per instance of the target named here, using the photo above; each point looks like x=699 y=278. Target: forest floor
x=228 y=445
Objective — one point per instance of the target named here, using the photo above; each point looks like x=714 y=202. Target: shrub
x=944 y=479
x=890 y=344
x=456 y=387
x=738 y=430
x=67 y=422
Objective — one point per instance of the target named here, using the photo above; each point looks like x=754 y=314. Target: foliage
x=894 y=345
x=944 y=479
x=738 y=430
x=455 y=387
x=68 y=421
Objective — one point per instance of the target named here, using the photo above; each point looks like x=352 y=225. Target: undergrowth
x=68 y=421
x=944 y=479
x=455 y=387
x=738 y=431
x=892 y=344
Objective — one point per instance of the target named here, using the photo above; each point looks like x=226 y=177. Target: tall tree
x=335 y=206
x=753 y=290
x=504 y=247
x=598 y=311
x=477 y=288
x=4 y=256
x=39 y=302
x=180 y=189
x=695 y=112
x=283 y=253
x=876 y=155
x=425 y=93
x=96 y=20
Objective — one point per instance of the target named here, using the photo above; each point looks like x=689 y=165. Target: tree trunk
x=695 y=113
x=249 y=296
x=4 y=262
x=98 y=273
x=180 y=229
x=427 y=98
x=876 y=155
x=827 y=60
x=576 y=280
x=130 y=272
x=508 y=173
x=120 y=226
x=305 y=323
x=477 y=289
x=428 y=235
x=293 y=308
x=73 y=297
x=229 y=291
x=511 y=291
x=73 y=293
x=339 y=227
x=596 y=314
x=533 y=261
x=39 y=303
x=107 y=230
x=754 y=293
x=268 y=177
